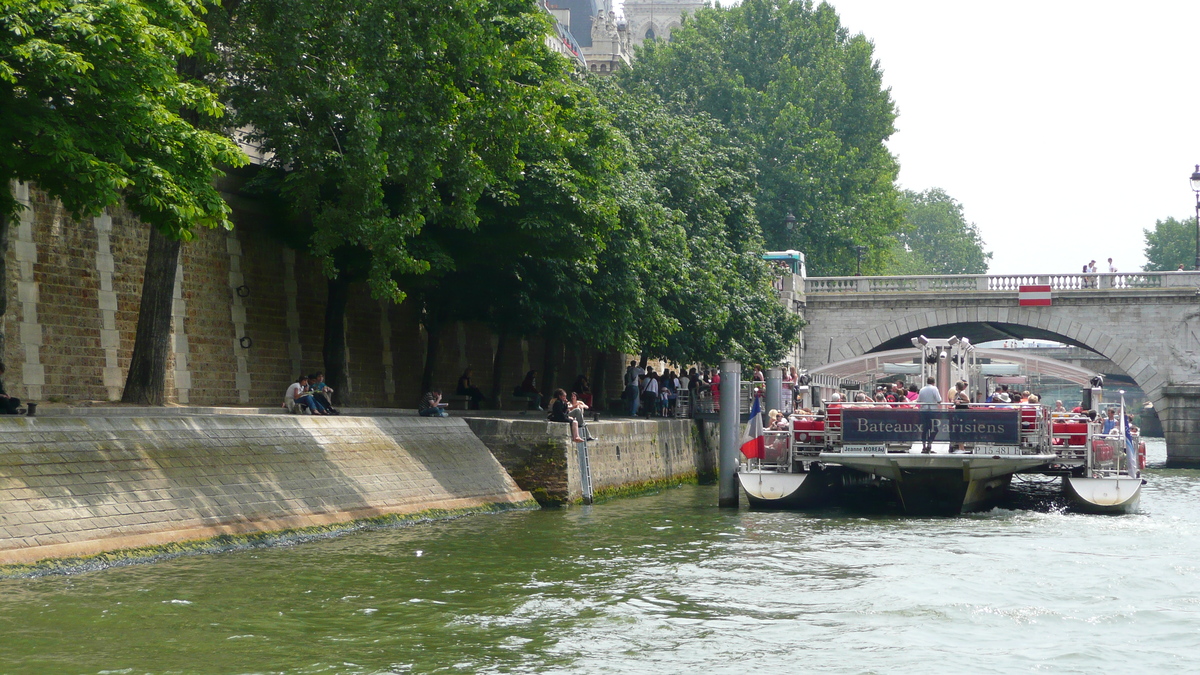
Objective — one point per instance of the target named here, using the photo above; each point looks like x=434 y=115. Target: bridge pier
x=1179 y=411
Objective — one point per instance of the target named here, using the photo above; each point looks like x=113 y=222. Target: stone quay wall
x=249 y=316
x=629 y=454
x=74 y=486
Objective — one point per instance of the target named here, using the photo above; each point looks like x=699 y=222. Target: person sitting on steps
x=299 y=400
x=321 y=392
x=9 y=405
x=559 y=413
x=431 y=405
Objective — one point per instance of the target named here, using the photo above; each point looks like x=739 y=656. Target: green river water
x=664 y=583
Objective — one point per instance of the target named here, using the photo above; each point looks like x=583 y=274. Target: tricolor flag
x=753 y=443
x=1034 y=295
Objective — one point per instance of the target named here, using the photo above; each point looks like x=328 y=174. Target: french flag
x=753 y=442
x=1033 y=296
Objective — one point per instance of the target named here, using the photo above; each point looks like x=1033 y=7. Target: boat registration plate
x=864 y=448
x=996 y=450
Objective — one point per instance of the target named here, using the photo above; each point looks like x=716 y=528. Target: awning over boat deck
x=873 y=365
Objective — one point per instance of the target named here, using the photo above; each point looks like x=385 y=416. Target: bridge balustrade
x=1000 y=282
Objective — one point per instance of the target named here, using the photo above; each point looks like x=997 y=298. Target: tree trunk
x=334 y=350
x=433 y=347
x=3 y=274
x=642 y=362
x=599 y=396
x=548 y=368
x=146 y=382
x=498 y=369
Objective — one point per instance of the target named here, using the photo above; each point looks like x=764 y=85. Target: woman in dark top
x=465 y=389
x=559 y=412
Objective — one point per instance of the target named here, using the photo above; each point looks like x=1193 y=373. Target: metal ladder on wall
x=585 y=472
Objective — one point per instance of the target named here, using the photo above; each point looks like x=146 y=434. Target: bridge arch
x=998 y=322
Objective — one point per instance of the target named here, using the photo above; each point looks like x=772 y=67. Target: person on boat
x=929 y=398
x=1110 y=422
x=560 y=413
x=912 y=393
x=1059 y=409
x=961 y=399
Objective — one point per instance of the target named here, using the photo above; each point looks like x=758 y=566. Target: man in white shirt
x=928 y=398
x=1112 y=269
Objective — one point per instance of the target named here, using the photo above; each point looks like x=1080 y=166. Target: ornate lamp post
x=1196 y=189
x=860 y=249
x=789 y=221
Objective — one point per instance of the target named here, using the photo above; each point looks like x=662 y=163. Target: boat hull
x=1102 y=495
x=767 y=489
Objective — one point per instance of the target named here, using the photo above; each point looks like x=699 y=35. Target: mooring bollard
x=730 y=423
x=32 y=409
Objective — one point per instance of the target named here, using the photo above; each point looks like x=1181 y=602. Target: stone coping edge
x=88 y=556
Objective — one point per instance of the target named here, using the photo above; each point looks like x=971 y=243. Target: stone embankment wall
x=249 y=316
x=629 y=454
x=72 y=486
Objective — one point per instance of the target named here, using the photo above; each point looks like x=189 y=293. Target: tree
x=383 y=117
x=806 y=99
x=94 y=111
x=706 y=275
x=939 y=240
x=1170 y=244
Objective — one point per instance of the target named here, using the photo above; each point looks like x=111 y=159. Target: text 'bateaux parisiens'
x=886 y=425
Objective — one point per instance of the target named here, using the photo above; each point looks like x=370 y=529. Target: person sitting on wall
x=528 y=389
x=465 y=388
x=578 y=410
x=321 y=392
x=9 y=405
x=583 y=389
x=299 y=400
x=431 y=405
x=560 y=413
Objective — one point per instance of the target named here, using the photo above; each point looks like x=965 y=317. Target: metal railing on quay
x=1001 y=282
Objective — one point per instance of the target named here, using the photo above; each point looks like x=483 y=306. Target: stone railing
x=1000 y=282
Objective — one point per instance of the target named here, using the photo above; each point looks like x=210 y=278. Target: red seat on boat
x=808 y=431
x=1075 y=433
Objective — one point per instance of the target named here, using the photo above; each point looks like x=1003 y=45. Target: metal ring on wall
x=243 y=291
x=246 y=342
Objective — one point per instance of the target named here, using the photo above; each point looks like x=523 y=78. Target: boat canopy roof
x=899 y=361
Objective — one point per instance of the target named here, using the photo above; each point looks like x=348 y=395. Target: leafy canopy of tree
x=806 y=99
x=93 y=110
x=1170 y=244
x=707 y=276
x=939 y=240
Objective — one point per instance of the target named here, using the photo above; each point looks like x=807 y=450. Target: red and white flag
x=1034 y=296
x=753 y=443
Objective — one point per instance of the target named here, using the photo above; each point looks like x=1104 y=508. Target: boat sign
x=996 y=450
x=891 y=425
x=864 y=448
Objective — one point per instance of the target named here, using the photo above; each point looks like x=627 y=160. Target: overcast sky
x=1064 y=128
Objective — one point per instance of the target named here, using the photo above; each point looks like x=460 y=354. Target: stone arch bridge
x=1148 y=324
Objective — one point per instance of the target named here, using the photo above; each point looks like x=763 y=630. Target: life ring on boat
x=1141 y=455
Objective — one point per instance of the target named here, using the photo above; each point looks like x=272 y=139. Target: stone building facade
x=656 y=19
x=248 y=318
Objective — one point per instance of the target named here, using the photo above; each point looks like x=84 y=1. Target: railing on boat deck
x=1001 y=282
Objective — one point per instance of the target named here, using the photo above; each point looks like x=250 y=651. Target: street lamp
x=789 y=221
x=1196 y=189
x=860 y=249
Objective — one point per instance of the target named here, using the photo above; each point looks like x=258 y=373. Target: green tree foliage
x=805 y=98
x=93 y=110
x=384 y=116
x=939 y=240
x=705 y=266
x=1170 y=244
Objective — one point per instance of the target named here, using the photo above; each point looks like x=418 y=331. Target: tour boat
x=938 y=459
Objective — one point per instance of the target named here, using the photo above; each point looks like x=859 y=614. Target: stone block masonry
x=248 y=317
x=74 y=486
x=629 y=454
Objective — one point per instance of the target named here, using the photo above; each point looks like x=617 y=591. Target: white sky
x=1063 y=127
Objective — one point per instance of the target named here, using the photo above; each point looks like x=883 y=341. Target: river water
x=661 y=583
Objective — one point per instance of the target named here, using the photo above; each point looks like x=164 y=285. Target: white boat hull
x=1103 y=495
x=779 y=490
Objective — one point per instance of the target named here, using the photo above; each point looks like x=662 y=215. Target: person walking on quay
x=928 y=398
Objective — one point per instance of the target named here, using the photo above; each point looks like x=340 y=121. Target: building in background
x=656 y=19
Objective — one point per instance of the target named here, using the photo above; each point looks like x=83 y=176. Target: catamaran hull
x=767 y=489
x=1102 y=495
